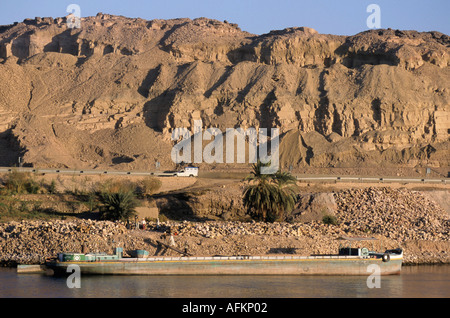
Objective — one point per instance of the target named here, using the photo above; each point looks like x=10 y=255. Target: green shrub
x=149 y=185
x=91 y=201
x=52 y=187
x=32 y=186
x=330 y=219
x=23 y=206
x=116 y=186
x=17 y=182
x=21 y=182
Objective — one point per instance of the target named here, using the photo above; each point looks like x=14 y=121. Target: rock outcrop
x=117 y=87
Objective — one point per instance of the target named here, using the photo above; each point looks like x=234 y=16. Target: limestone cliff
x=111 y=92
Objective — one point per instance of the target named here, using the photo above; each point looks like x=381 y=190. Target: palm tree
x=269 y=196
x=119 y=205
x=287 y=186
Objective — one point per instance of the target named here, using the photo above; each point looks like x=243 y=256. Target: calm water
x=417 y=281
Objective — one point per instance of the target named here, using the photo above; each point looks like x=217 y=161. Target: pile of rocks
x=393 y=213
x=399 y=218
x=217 y=229
x=34 y=241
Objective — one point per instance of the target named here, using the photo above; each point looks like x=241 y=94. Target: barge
x=348 y=261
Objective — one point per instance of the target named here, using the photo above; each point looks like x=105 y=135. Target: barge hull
x=199 y=266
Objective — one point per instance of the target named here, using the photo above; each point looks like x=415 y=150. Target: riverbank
x=31 y=242
x=416 y=221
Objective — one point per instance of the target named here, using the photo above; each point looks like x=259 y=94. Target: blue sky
x=345 y=17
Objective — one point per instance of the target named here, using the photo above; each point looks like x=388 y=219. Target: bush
x=15 y=209
x=15 y=182
x=116 y=186
x=330 y=219
x=149 y=185
x=32 y=186
x=21 y=182
x=52 y=187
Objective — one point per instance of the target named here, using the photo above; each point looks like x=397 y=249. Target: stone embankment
x=398 y=214
x=396 y=217
x=31 y=242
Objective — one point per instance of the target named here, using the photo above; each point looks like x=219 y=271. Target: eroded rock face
x=119 y=87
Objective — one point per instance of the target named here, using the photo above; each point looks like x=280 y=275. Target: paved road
x=77 y=171
x=373 y=179
x=305 y=178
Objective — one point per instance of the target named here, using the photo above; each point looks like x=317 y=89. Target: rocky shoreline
x=396 y=217
x=31 y=242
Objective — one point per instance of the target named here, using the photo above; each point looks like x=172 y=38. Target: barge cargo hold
x=349 y=261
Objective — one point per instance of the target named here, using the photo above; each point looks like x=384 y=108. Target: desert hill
x=110 y=93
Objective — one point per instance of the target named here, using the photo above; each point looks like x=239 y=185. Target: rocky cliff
x=111 y=92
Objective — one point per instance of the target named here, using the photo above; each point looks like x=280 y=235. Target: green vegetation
x=119 y=198
x=330 y=219
x=115 y=186
x=17 y=209
x=24 y=196
x=52 y=187
x=269 y=197
x=20 y=182
x=149 y=186
x=118 y=205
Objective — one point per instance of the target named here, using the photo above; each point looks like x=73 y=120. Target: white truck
x=187 y=172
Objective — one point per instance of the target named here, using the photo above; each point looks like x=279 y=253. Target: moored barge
x=349 y=261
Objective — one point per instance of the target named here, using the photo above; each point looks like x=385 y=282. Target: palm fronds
x=269 y=196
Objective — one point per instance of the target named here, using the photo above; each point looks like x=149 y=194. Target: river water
x=414 y=281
